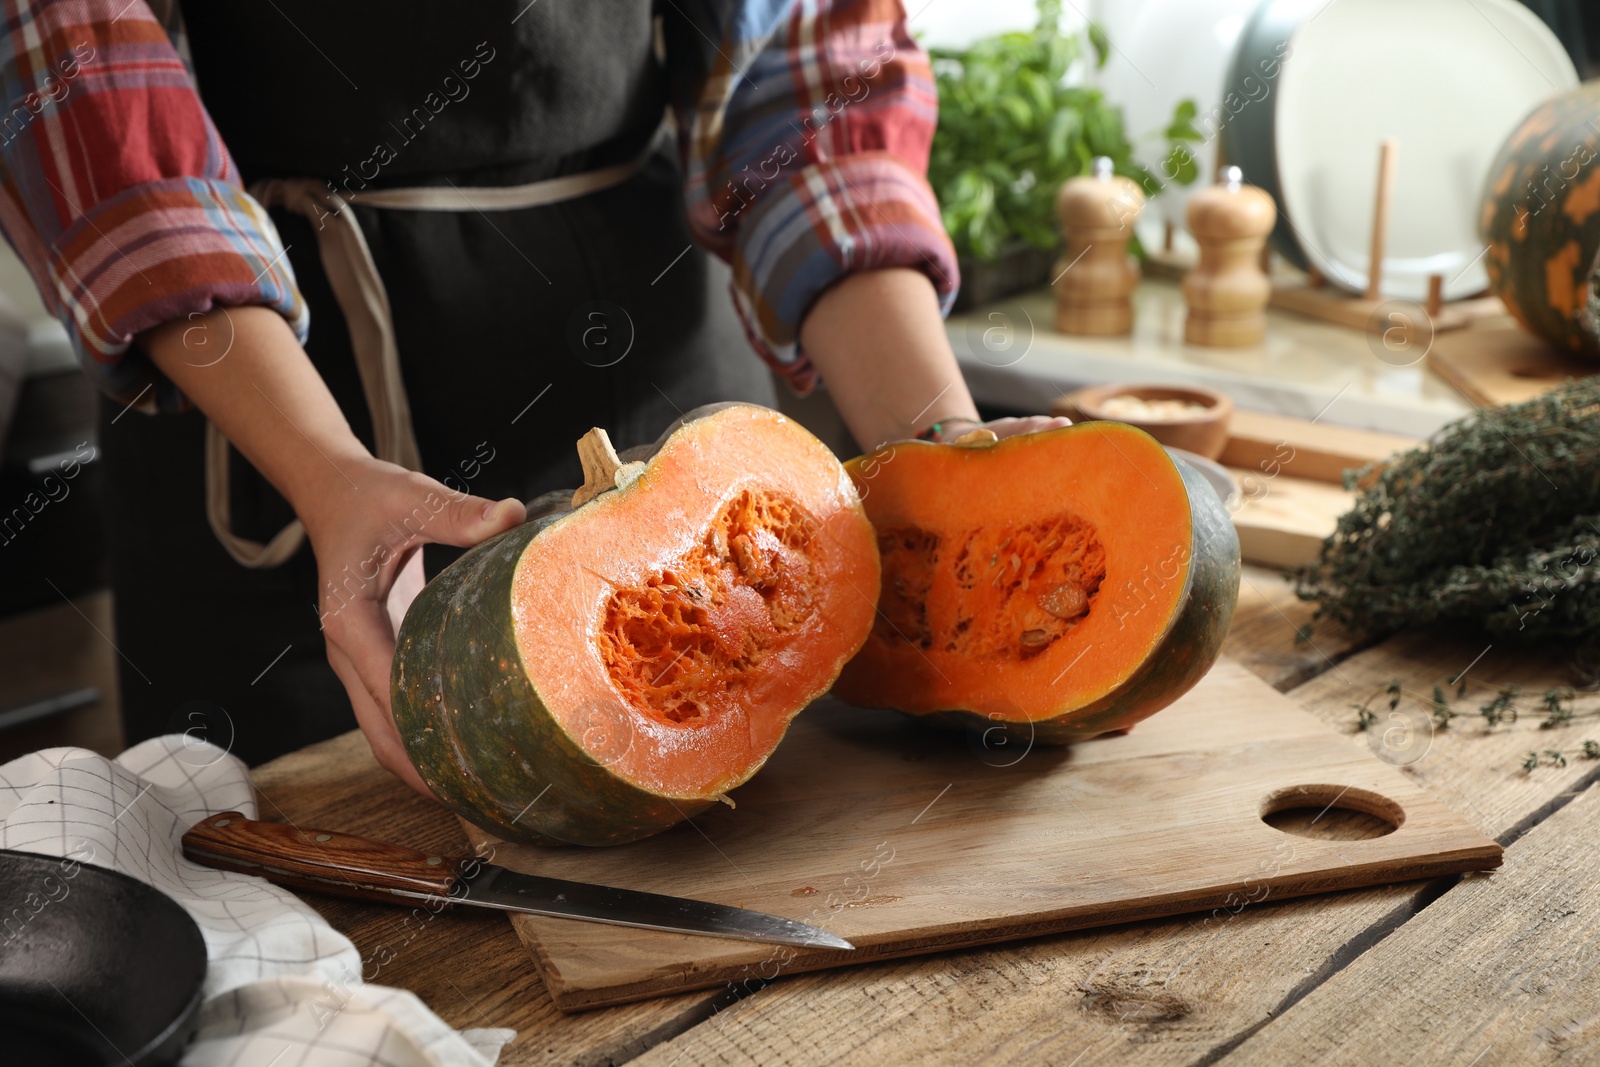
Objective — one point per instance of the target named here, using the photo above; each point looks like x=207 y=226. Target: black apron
x=495 y=314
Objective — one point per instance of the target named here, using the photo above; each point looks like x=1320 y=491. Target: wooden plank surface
x=1273 y=636
x=841 y=829
x=1177 y=991
x=1501 y=363
x=466 y=964
x=1505 y=968
x=1181 y=990
x=1171 y=992
x=1475 y=768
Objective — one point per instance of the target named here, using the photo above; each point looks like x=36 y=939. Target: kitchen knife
x=349 y=866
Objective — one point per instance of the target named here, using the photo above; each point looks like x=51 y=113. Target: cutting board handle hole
x=1332 y=813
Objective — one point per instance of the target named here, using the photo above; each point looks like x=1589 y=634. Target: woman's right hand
x=367 y=534
x=366 y=518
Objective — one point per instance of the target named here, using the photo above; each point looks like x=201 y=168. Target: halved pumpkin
x=1076 y=580
x=597 y=675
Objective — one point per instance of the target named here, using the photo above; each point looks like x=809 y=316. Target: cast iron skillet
x=95 y=967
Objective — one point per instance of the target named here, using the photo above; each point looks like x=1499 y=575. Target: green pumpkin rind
x=481 y=736
x=1541 y=221
x=1188 y=649
x=477 y=729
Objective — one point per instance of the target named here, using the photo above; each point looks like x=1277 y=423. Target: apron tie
x=359 y=290
x=353 y=276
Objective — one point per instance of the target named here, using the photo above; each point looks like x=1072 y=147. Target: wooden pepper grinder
x=1227 y=291
x=1095 y=277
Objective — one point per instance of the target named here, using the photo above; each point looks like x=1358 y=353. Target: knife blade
x=350 y=866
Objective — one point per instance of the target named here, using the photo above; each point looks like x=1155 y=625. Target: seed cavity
x=684 y=646
x=1017 y=589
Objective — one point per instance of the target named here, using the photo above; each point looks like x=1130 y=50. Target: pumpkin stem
x=603 y=469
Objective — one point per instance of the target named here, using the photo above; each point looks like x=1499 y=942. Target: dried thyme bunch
x=1495 y=523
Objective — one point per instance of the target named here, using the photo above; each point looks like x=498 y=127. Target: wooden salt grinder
x=1095 y=277
x=1227 y=291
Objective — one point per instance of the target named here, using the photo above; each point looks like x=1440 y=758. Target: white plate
x=1450 y=79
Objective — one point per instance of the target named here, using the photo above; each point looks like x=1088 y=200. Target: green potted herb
x=1010 y=132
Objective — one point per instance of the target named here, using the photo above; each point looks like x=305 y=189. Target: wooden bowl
x=1203 y=433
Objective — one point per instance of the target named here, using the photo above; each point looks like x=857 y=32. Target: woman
x=502 y=246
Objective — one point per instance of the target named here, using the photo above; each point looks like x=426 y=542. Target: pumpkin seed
x=1065 y=601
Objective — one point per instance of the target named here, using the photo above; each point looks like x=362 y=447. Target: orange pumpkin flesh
x=680 y=623
x=1042 y=579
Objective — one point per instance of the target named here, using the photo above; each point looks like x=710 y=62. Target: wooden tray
x=1289 y=472
x=907 y=841
x=1283 y=521
x=1501 y=363
x=1316 y=451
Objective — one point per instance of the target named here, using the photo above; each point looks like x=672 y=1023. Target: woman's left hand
x=950 y=429
x=877 y=339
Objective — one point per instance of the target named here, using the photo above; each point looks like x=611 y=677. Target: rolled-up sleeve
x=117 y=192
x=805 y=135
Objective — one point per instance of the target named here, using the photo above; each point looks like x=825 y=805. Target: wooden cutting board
x=906 y=840
x=1499 y=362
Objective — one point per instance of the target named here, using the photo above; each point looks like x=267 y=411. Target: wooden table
x=1489 y=969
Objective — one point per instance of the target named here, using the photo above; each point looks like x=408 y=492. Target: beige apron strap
x=246 y=552
x=353 y=276
x=507 y=197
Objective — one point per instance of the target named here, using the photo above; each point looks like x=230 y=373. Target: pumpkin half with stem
x=1070 y=582
x=604 y=671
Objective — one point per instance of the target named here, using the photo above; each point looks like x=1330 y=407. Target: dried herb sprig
x=1437 y=705
x=1502 y=708
x=1493 y=523
x=1441 y=709
x=1557 y=703
x=1549 y=757
x=1555 y=757
x=1365 y=716
x=1558 y=710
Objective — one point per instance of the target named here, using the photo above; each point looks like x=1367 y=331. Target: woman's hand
x=952 y=428
x=366 y=518
x=366 y=537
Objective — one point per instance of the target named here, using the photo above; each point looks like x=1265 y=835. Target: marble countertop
x=1013 y=358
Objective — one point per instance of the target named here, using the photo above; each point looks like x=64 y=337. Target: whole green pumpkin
x=1541 y=220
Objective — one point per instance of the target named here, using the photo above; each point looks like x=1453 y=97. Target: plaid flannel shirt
x=804 y=127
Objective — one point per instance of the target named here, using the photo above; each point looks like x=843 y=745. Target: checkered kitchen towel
x=282 y=986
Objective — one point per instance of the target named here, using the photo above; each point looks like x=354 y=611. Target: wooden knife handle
x=321 y=860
